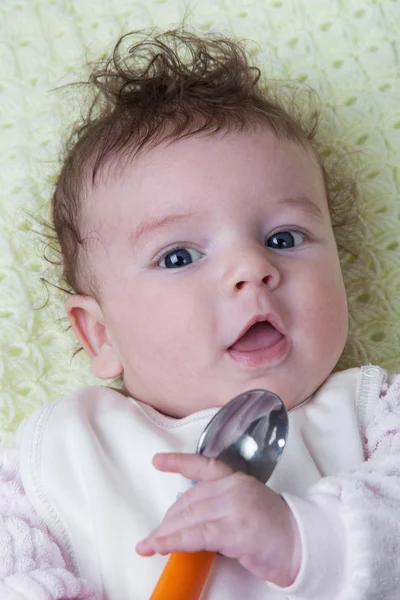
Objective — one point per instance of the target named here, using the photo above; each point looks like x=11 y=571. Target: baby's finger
x=189 y=514
x=211 y=492
x=190 y=539
x=193 y=466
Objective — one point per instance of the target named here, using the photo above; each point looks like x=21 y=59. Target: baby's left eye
x=285 y=239
x=180 y=257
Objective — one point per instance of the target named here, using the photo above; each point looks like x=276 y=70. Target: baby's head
x=195 y=225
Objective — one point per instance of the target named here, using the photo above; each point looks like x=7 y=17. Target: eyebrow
x=153 y=224
x=305 y=204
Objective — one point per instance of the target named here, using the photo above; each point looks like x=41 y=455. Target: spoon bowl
x=248 y=434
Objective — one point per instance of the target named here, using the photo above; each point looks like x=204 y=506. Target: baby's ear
x=86 y=318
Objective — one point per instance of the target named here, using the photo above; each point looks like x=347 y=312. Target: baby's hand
x=230 y=513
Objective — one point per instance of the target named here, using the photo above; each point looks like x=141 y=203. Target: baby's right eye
x=180 y=257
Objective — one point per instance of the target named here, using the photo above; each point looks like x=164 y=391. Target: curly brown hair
x=162 y=87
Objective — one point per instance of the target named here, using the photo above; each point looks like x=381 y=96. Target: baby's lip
x=271 y=318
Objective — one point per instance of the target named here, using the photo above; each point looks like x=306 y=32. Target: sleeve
x=31 y=563
x=350 y=523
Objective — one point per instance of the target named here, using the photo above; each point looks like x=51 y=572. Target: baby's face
x=218 y=271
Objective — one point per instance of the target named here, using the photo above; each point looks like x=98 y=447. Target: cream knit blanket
x=348 y=51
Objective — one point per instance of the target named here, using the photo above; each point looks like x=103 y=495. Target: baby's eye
x=285 y=239
x=181 y=257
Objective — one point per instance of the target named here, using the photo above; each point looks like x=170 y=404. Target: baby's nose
x=251 y=268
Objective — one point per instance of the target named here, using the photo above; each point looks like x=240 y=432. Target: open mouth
x=259 y=343
x=259 y=336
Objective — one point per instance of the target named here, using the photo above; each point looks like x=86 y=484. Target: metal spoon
x=249 y=434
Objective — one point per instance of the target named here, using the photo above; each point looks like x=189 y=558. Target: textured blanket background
x=348 y=51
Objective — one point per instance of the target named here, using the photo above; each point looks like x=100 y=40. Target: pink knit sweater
x=31 y=564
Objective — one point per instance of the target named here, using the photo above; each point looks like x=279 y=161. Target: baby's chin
x=175 y=407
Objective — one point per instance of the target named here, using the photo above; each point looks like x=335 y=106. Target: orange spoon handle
x=184 y=576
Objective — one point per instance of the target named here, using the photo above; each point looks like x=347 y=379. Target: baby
x=195 y=223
